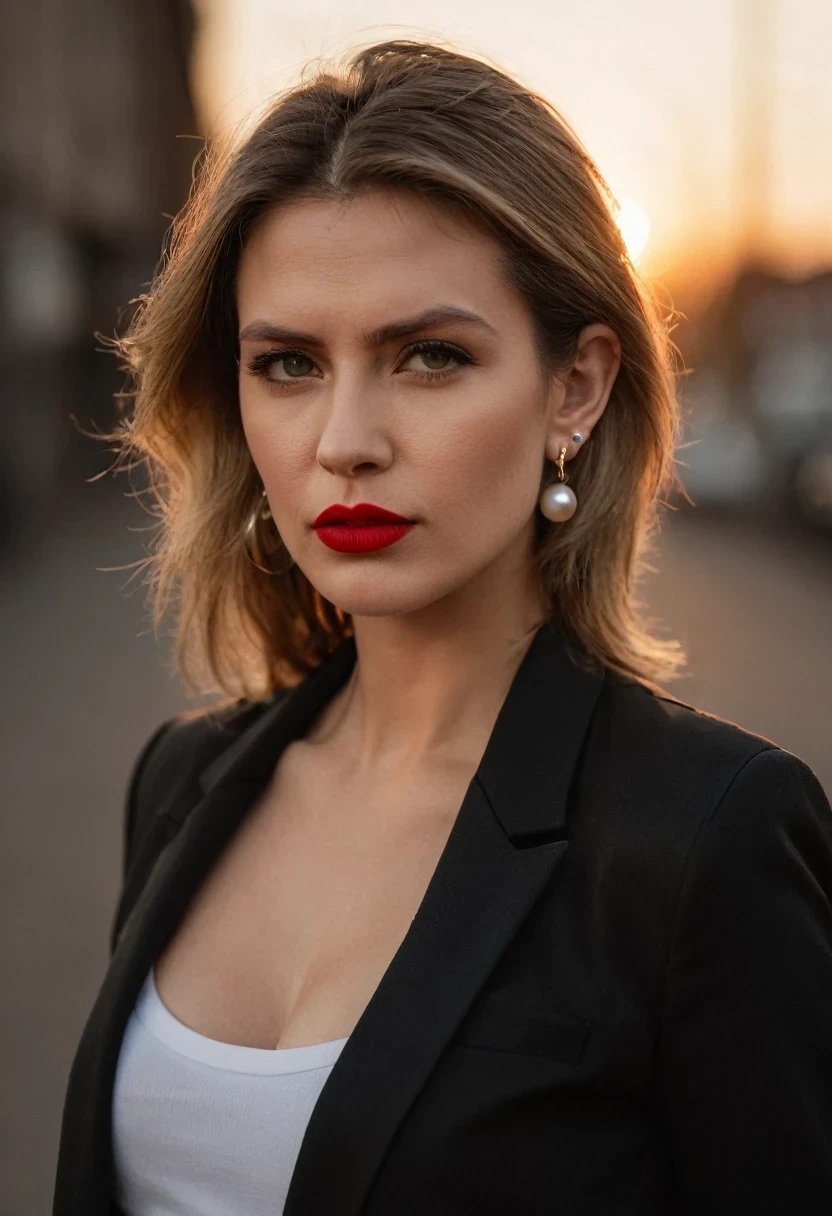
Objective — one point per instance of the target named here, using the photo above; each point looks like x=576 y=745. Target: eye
x=434 y=360
x=294 y=365
x=438 y=359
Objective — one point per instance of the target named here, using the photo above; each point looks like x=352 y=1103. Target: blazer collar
x=504 y=847
x=252 y=756
x=540 y=727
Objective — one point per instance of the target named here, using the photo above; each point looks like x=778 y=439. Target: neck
x=426 y=687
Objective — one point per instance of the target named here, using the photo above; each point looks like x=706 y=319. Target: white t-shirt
x=206 y=1127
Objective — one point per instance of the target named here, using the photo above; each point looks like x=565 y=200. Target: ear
x=584 y=390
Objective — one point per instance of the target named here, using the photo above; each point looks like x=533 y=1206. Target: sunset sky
x=655 y=90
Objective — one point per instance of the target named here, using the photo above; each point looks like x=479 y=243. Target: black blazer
x=615 y=997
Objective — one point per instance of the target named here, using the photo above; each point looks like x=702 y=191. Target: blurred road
x=86 y=684
x=752 y=604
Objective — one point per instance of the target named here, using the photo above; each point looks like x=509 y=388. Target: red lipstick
x=362 y=528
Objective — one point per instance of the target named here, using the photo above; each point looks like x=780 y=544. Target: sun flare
x=634 y=224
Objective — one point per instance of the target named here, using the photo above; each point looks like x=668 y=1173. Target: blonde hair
x=457 y=131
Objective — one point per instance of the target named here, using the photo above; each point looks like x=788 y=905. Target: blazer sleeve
x=744 y=1057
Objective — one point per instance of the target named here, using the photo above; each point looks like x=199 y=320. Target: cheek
x=254 y=426
x=489 y=466
x=279 y=453
x=274 y=442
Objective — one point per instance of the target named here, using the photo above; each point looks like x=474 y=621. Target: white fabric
x=202 y=1128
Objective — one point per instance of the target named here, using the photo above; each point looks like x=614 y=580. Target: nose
x=354 y=437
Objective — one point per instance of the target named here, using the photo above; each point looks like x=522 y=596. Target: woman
x=446 y=907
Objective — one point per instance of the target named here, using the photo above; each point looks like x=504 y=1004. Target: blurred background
x=712 y=123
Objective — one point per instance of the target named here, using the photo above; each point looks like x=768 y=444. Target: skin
x=452 y=607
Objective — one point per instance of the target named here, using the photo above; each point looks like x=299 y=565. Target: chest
x=294 y=927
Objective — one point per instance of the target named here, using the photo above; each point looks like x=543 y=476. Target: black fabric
x=615 y=997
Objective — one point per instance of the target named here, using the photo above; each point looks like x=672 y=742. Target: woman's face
x=384 y=359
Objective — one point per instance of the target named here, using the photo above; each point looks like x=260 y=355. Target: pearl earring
x=558 y=501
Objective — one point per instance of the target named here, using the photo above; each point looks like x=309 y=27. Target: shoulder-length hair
x=417 y=117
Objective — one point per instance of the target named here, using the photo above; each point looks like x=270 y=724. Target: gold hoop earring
x=558 y=502
x=251 y=541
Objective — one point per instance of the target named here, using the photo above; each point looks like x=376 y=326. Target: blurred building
x=762 y=396
x=97 y=142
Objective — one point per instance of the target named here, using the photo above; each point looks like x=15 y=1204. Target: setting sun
x=634 y=224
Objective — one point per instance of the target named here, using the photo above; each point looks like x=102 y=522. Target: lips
x=363 y=528
x=361 y=514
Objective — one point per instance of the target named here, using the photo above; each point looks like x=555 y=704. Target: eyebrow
x=262 y=331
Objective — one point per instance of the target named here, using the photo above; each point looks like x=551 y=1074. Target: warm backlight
x=634 y=224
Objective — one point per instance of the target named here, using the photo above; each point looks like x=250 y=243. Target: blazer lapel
x=504 y=847
x=230 y=786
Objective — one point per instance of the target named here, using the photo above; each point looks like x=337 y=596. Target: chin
x=380 y=593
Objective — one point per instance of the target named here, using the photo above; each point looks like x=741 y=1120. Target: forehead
x=376 y=254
